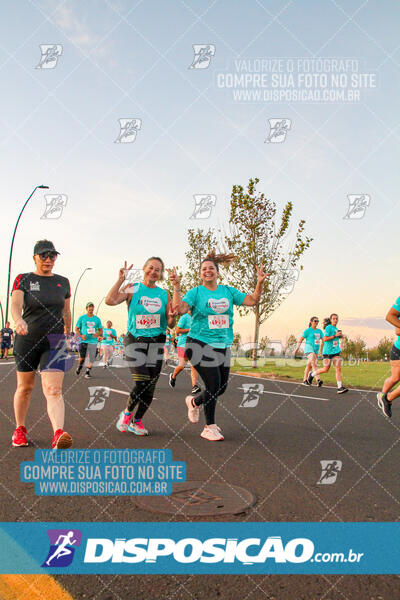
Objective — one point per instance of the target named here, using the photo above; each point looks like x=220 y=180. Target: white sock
x=339 y=384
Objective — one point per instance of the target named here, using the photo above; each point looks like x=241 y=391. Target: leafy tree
x=258 y=235
x=200 y=244
x=384 y=347
x=356 y=347
x=264 y=343
x=290 y=344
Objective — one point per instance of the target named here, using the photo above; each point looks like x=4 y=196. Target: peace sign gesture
x=174 y=278
x=261 y=275
x=121 y=274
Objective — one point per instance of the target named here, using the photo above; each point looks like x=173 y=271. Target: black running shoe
x=78 y=370
x=342 y=390
x=384 y=404
x=310 y=378
x=319 y=382
x=195 y=390
x=88 y=375
x=305 y=382
x=171 y=381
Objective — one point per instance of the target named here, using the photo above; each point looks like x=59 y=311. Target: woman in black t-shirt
x=40 y=308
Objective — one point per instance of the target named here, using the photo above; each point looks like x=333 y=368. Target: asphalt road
x=272 y=448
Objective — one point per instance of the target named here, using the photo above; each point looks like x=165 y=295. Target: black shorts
x=330 y=356
x=49 y=353
x=144 y=351
x=394 y=353
x=6 y=345
x=90 y=349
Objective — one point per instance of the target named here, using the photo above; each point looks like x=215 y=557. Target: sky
x=200 y=129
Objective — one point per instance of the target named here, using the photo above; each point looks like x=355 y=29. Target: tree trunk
x=256 y=335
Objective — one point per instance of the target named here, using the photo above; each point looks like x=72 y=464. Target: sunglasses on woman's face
x=316 y=321
x=50 y=255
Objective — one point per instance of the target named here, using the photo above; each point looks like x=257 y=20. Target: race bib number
x=218 y=321
x=147 y=321
x=91 y=330
x=336 y=343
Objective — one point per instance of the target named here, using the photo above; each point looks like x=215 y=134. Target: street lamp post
x=97 y=309
x=41 y=187
x=73 y=302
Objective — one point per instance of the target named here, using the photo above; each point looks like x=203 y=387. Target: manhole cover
x=192 y=498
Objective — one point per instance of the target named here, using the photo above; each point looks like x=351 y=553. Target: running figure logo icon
x=251 y=394
x=132 y=278
x=278 y=129
x=63 y=543
x=55 y=204
x=358 y=204
x=286 y=280
x=203 y=54
x=98 y=396
x=50 y=55
x=203 y=205
x=128 y=130
x=329 y=471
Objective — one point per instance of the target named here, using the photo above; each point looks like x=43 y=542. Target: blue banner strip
x=201 y=548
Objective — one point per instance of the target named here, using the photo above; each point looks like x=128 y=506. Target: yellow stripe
x=31 y=587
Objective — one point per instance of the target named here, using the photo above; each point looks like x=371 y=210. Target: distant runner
x=89 y=329
x=312 y=348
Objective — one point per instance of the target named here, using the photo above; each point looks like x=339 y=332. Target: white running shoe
x=193 y=411
x=212 y=433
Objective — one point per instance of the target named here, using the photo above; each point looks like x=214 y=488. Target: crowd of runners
x=202 y=318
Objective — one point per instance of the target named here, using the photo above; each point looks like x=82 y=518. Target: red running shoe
x=61 y=440
x=19 y=437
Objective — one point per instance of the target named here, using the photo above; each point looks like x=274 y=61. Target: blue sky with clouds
x=128 y=201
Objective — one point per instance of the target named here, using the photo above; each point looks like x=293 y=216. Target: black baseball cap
x=44 y=246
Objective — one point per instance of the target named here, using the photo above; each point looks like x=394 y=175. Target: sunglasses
x=315 y=321
x=45 y=255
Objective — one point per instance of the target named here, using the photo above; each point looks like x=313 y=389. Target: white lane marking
x=299 y=383
x=288 y=394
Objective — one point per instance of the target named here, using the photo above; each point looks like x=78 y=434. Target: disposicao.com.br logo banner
x=213 y=548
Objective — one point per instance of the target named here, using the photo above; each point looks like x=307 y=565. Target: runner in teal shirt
x=109 y=335
x=211 y=334
x=184 y=324
x=147 y=311
x=212 y=314
x=331 y=352
x=396 y=307
x=107 y=344
x=149 y=314
x=331 y=346
x=89 y=326
x=388 y=394
x=89 y=329
x=313 y=338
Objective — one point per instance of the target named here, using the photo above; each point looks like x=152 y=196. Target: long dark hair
x=311 y=320
x=327 y=321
